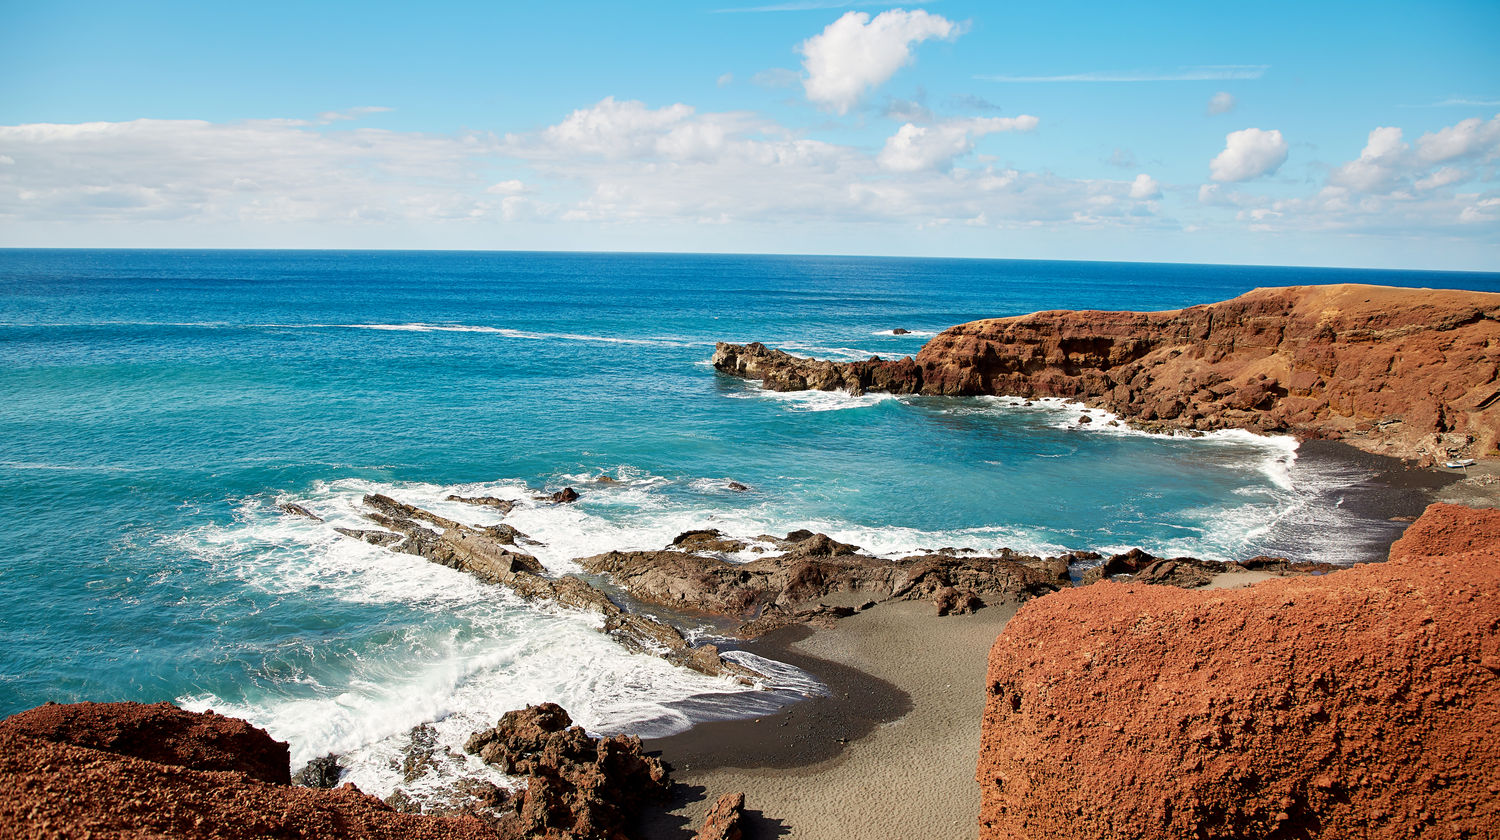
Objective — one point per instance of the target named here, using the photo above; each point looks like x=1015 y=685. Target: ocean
x=157 y=406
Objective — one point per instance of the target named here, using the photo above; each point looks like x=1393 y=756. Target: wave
x=815 y=400
x=414 y=327
x=907 y=334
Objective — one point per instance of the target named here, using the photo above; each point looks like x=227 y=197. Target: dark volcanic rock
x=710 y=541
x=381 y=538
x=502 y=505
x=161 y=733
x=901 y=331
x=577 y=786
x=564 y=496
x=320 y=773
x=774 y=591
x=484 y=553
x=1190 y=572
x=297 y=510
x=737 y=487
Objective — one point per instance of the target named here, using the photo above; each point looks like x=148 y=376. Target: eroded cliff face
x=1360 y=703
x=1413 y=373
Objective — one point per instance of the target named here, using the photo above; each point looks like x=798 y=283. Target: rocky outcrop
x=577 y=786
x=774 y=591
x=1191 y=573
x=487 y=553
x=161 y=733
x=126 y=770
x=502 y=505
x=1413 y=373
x=1360 y=703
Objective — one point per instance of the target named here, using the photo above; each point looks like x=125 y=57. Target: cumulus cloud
x=1470 y=138
x=1221 y=103
x=1144 y=188
x=1249 y=153
x=915 y=148
x=856 y=53
x=1378 y=166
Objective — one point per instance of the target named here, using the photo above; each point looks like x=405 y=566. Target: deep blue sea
x=156 y=406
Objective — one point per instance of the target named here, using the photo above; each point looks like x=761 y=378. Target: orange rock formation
x=1363 y=703
x=1413 y=373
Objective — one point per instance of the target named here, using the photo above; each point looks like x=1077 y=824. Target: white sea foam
x=815 y=400
x=814 y=351
x=907 y=334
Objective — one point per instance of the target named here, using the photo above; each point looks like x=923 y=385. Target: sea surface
x=157 y=406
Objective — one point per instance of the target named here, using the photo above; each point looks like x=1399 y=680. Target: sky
x=1310 y=133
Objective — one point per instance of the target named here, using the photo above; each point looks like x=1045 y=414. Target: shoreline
x=906 y=689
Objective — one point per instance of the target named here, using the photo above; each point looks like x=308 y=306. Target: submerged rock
x=295 y=509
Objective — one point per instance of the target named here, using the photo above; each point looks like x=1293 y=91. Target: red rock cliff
x=1365 y=703
x=1404 y=372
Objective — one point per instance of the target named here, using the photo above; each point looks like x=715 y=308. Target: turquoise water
x=155 y=406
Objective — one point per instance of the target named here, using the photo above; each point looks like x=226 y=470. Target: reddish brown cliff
x=1364 y=703
x=1406 y=372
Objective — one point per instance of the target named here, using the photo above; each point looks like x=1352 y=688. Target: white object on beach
x=1458 y=465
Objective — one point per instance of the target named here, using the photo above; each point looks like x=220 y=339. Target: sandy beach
x=911 y=776
x=891 y=752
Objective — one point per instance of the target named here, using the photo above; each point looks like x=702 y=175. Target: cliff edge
x=1412 y=373
x=1364 y=703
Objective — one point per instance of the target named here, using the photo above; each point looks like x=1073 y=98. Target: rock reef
x=1361 y=703
x=1412 y=373
x=775 y=591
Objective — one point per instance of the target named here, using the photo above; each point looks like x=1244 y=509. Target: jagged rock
x=1190 y=572
x=564 y=496
x=321 y=772
x=483 y=553
x=380 y=538
x=604 y=479
x=950 y=601
x=737 y=487
x=502 y=505
x=577 y=786
x=1403 y=372
x=725 y=820
x=710 y=541
x=297 y=510
x=901 y=331
x=774 y=591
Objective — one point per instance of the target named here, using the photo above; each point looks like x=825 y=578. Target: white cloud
x=856 y=53
x=257 y=171
x=725 y=80
x=1447 y=176
x=1470 y=138
x=916 y=148
x=1144 y=187
x=1378 y=166
x=616 y=129
x=512 y=187
x=1221 y=103
x=1249 y=153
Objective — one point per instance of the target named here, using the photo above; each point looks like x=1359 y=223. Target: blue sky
x=1284 y=133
